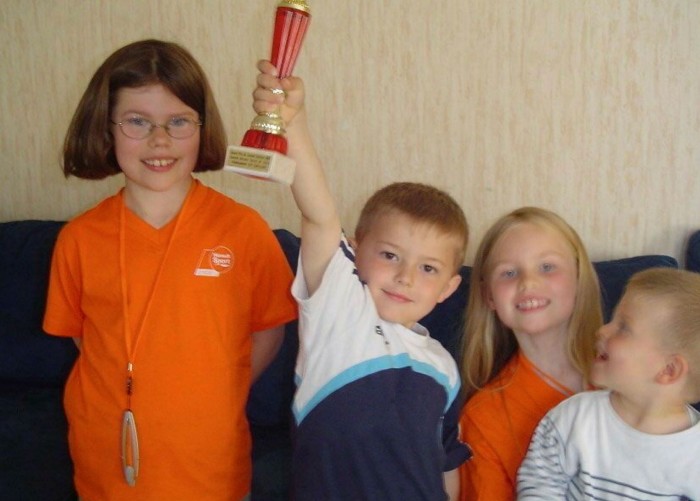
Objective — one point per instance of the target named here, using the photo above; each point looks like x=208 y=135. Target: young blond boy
x=376 y=405
x=639 y=438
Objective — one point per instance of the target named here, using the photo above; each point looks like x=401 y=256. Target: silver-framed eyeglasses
x=141 y=128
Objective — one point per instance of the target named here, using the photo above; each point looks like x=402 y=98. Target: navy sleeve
x=456 y=451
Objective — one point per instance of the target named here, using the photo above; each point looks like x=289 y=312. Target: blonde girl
x=529 y=340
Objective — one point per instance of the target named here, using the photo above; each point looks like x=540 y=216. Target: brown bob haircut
x=88 y=149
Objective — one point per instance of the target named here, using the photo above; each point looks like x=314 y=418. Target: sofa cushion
x=27 y=354
x=445 y=322
x=270 y=398
x=35 y=462
x=692 y=254
x=24 y=265
x=614 y=274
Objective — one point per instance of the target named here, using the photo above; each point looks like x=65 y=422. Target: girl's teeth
x=158 y=163
x=531 y=303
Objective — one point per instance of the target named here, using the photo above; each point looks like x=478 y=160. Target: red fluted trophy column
x=263 y=149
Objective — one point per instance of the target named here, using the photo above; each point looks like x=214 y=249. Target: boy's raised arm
x=320 y=224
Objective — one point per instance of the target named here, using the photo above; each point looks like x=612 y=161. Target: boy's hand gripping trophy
x=264 y=146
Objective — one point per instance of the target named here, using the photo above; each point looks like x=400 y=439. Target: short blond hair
x=422 y=203
x=678 y=291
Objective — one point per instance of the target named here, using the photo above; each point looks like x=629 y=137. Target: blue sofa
x=34 y=459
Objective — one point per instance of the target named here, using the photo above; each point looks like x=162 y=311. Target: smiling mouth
x=159 y=163
x=532 y=304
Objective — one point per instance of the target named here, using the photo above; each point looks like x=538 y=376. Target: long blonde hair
x=487 y=344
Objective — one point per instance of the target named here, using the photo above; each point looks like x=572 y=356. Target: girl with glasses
x=175 y=294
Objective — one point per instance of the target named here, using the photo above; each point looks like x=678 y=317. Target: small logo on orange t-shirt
x=214 y=262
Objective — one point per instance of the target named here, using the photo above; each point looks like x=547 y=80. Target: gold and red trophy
x=264 y=147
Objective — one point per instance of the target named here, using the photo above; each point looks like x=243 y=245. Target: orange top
x=224 y=277
x=497 y=422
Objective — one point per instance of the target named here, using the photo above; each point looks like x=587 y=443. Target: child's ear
x=676 y=368
x=450 y=287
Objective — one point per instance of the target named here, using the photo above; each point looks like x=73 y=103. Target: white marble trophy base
x=260 y=164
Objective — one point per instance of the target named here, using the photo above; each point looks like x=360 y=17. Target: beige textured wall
x=589 y=108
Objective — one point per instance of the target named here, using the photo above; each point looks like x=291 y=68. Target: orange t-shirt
x=224 y=278
x=497 y=422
